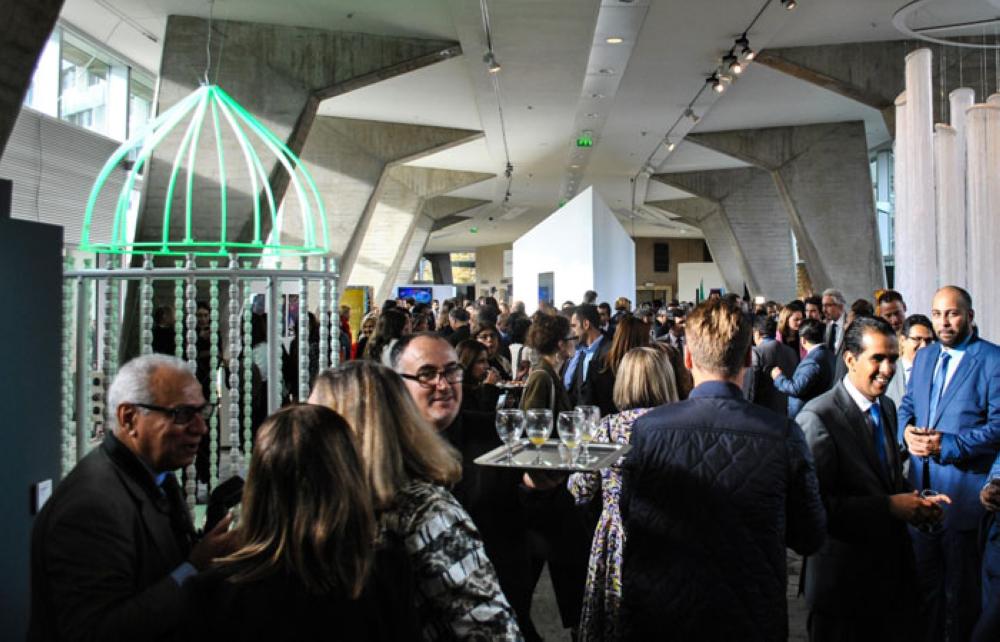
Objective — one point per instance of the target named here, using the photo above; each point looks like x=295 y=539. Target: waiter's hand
x=775 y=372
x=541 y=480
x=922 y=442
x=990 y=495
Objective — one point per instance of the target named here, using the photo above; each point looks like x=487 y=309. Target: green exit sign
x=585 y=141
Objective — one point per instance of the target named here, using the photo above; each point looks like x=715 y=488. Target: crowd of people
x=860 y=436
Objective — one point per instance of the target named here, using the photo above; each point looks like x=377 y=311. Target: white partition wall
x=983 y=144
x=583 y=247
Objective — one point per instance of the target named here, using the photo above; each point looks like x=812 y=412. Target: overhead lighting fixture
x=689 y=113
x=614 y=40
x=725 y=78
x=746 y=53
x=593 y=114
x=574 y=167
x=598 y=96
x=789 y=4
x=671 y=146
x=492 y=65
x=716 y=83
x=607 y=71
x=732 y=64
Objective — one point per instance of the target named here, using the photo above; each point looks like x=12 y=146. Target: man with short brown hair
x=713 y=491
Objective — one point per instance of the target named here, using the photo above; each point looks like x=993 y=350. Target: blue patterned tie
x=875 y=414
x=937 y=385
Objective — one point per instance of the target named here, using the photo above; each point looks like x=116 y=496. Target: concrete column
x=750 y=210
x=24 y=30
x=822 y=177
x=374 y=257
x=441 y=266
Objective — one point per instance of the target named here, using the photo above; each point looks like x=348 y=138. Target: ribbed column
x=949 y=185
x=905 y=270
x=920 y=255
x=983 y=189
x=953 y=242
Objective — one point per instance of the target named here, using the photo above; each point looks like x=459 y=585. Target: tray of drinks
x=553 y=455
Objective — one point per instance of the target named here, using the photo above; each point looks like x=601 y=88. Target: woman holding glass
x=558 y=532
x=645 y=380
x=408 y=467
x=479 y=389
x=489 y=336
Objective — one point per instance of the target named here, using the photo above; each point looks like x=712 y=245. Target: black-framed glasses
x=430 y=376
x=182 y=415
x=924 y=340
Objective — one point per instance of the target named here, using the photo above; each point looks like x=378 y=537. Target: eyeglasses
x=429 y=376
x=924 y=340
x=182 y=415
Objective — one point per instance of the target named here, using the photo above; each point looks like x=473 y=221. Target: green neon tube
x=223 y=195
x=251 y=169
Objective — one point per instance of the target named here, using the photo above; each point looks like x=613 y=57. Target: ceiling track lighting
x=671 y=146
x=789 y=4
x=746 y=54
x=716 y=83
x=689 y=113
x=732 y=64
x=492 y=65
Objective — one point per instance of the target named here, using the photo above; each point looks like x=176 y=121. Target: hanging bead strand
x=234 y=369
x=303 y=391
x=213 y=368
x=68 y=425
x=146 y=306
x=324 y=321
x=248 y=372
x=190 y=320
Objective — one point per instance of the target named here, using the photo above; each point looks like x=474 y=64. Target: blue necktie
x=875 y=414
x=937 y=386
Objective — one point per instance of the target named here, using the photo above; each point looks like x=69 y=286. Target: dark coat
x=458 y=336
x=102 y=551
x=538 y=390
x=812 y=377
x=713 y=491
x=597 y=387
x=758 y=386
x=866 y=565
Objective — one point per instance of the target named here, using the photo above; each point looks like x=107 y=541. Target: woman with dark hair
x=307 y=559
x=409 y=468
x=479 y=390
x=489 y=336
x=392 y=324
x=630 y=332
x=789 y=320
x=521 y=356
x=550 y=337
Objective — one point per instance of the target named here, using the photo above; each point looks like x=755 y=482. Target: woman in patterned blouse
x=645 y=380
x=408 y=466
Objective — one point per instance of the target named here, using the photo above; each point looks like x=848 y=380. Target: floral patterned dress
x=603 y=593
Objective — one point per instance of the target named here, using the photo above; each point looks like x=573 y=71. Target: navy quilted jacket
x=713 y=490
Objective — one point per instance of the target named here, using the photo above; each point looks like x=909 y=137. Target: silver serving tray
x=525 y=454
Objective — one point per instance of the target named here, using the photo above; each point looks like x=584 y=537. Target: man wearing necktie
x=950 y=422
x=114 y=544
x=860 y=585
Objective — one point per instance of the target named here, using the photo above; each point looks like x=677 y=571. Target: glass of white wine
x=570 y=427
x=591 y=419
x=509 y=423
x=538 y=427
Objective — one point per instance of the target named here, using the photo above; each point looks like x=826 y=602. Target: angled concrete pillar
x=374 y=257
x=348 y=157
x=750 y=210
x=279 y=74
x=441 y=266
x=822 y=175
x=25 y=29
x=709 y=216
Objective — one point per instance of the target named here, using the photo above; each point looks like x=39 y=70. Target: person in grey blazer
x=861 y=583
x=917 y=332
x=768 y=353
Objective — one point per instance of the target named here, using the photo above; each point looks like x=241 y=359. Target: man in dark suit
x=950 y=422
x=988 y=626
x=459 y=321
x=589 y=383
x=768 y=353
x=713 y=491
x=835 y=311
x=113 y=545
x=814 y=374
x=917 y=333
x=860 y=585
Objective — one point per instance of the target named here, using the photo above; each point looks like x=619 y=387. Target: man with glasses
x=114 y=544
x=915 y=334
x=429 y=367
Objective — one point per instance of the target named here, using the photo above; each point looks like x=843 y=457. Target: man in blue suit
x=950 y=422
x=814 y=374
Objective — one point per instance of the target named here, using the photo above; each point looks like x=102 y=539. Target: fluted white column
x=949 y=187
x=920 y=256
x=902 y=230
x=953 y=249
x=983 y=189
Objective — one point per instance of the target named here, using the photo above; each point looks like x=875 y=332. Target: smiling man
x=860 y=584
x=950 y=422
x=115 y=543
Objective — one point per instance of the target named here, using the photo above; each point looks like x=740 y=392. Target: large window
x=83 y=83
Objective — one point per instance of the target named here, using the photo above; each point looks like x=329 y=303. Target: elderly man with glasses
x=114 y=544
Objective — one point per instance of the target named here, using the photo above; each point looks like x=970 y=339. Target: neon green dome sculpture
x=194 y=110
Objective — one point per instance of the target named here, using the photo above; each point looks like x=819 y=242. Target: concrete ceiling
x=553 y=53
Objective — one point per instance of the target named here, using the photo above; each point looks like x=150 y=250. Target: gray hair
x=837 y=295
x=131 y=384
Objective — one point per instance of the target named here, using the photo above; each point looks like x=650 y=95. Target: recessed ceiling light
x=593 y=114
x=574 y=167
x=598 y=96
x=607 y=71
x=614 y=40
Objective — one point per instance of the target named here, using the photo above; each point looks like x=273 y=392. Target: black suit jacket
x=102 y=551
x=758 y=385
x=597 y=387
x=459 y=335
x=866 y=565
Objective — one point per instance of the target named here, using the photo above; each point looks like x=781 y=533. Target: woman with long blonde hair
x=408 y=467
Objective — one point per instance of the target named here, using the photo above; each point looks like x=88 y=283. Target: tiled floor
x=546 y=616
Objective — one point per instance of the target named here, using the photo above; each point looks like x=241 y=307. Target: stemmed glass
x=538 y=425
x=509 y=423
x=570 y=426
x=591 y=419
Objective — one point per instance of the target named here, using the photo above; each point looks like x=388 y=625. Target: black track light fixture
x=716 y=83
x=746 y=54
x=732 y=64
x=492 y=65
x=789 y=4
